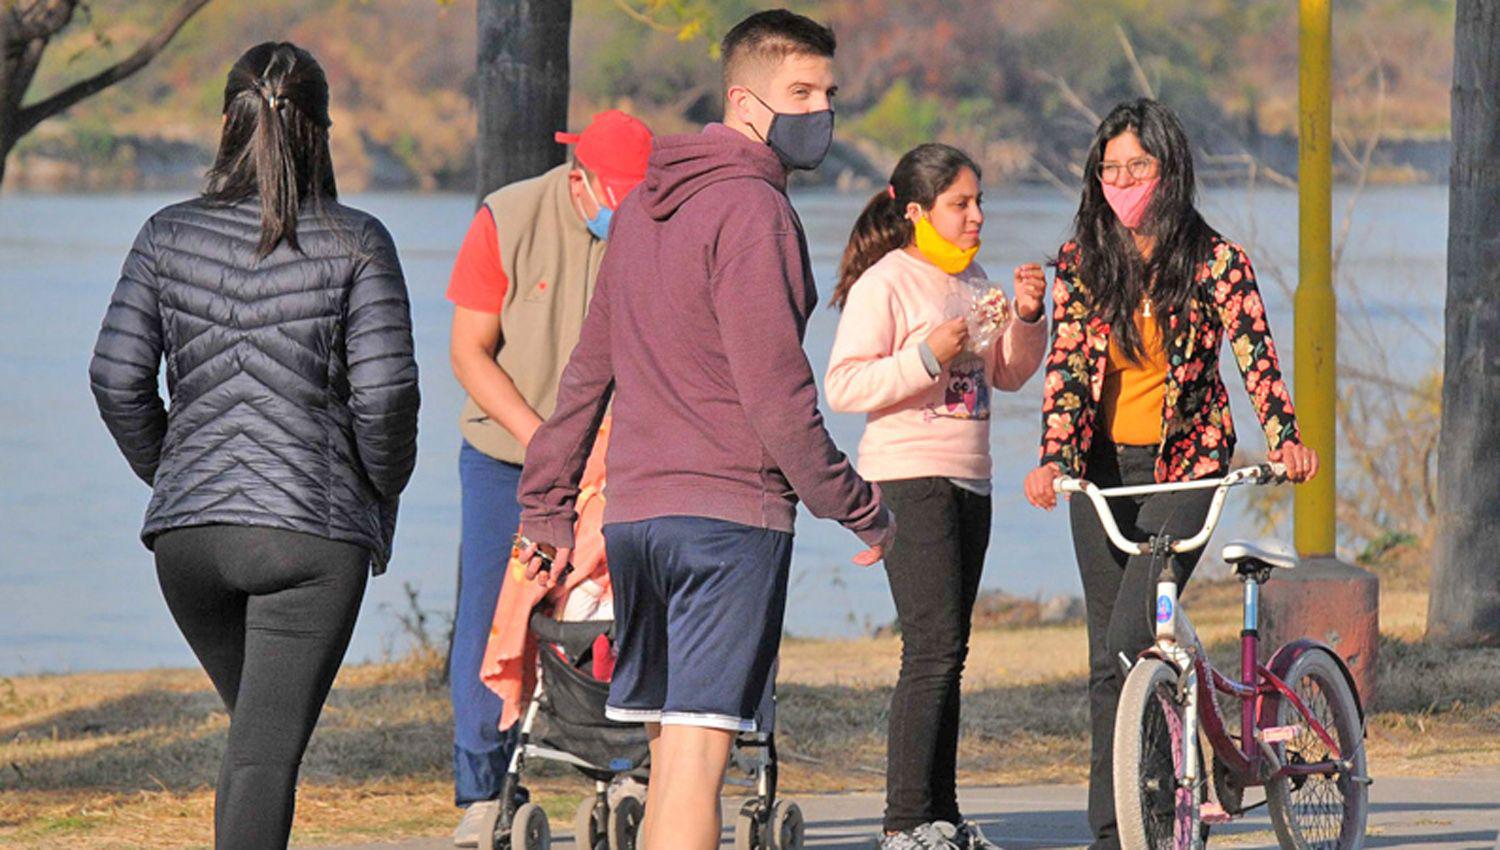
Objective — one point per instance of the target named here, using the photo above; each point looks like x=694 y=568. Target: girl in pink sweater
x=915 y=354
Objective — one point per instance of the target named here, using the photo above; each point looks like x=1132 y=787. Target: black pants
x=1119 y=593
x=269 y=614
x=934 y=568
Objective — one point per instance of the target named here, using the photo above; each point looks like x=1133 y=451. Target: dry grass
x=127 y=760
x=124 y=760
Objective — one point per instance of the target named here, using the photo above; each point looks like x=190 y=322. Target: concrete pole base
x=1327 y=600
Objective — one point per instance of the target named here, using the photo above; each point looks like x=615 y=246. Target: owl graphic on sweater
x=966 y=391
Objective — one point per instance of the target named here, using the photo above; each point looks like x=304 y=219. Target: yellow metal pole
x=1326 y=599
x=1316 y=313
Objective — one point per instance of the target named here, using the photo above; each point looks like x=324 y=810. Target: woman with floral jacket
x=1144 y=294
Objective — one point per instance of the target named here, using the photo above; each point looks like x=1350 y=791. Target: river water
x=78 y=591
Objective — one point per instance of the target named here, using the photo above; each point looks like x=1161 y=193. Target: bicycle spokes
x=1321 y=799
x=1166 y=808
x=1317 y=800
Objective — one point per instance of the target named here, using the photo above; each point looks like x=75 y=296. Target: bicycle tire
x=1151 y=811
x=1321 y=813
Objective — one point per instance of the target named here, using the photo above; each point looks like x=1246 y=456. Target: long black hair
x=925 y=172
x=275 y=139
x=1111 y=267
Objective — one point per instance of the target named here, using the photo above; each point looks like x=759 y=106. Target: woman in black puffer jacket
x=283 y=320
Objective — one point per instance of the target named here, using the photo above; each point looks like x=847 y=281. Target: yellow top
x=1130 y=406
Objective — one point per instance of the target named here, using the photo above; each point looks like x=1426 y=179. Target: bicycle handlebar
x=1265 y=473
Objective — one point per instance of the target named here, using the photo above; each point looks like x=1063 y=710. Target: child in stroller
x=551 y=655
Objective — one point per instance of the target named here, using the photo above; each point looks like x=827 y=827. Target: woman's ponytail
x=275 y=170
x=275 y=140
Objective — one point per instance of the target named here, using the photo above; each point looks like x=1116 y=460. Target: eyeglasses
x=1139 y=168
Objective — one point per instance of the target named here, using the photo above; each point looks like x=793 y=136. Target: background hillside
x=1012 y=82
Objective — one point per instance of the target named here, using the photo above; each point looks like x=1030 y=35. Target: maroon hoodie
x=696 y=330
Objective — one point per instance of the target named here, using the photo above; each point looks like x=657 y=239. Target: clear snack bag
x=988 y=312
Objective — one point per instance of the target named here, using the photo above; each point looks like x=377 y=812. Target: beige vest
x=552 y=261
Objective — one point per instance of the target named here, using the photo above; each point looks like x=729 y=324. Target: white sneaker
x=475 y=814
x=971 y=837
x=937 y=835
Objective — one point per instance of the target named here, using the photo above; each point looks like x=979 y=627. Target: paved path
x=1430 y=814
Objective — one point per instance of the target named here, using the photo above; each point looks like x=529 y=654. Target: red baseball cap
x=615 y=147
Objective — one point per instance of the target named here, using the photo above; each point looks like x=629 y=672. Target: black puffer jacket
x=292 y=380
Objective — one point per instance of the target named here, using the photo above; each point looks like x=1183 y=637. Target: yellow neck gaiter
x=939 y=251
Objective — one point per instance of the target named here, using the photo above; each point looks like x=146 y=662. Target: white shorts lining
x=707 y=720
x=632 y=715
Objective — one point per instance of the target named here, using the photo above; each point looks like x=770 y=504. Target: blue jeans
x=481 y=753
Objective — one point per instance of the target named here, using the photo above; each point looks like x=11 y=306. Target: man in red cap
x=520 y=289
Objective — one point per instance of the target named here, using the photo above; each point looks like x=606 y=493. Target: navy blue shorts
x=698 y=612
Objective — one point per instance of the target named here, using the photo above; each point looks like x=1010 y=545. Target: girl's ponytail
x=880 y=229
x=925 y=172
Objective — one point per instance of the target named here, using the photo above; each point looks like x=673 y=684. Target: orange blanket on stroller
x=509 y=665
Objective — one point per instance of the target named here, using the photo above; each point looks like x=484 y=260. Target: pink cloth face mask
x=1130 y=202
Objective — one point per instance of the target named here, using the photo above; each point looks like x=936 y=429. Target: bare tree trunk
x=24 y=34
x=523 y=88
x=25 y=31
x=1464 y=607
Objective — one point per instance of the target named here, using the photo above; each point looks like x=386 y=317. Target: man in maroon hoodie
x=695 y=332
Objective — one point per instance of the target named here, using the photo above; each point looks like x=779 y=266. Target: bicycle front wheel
x=1153 y=811
x=1319 y=812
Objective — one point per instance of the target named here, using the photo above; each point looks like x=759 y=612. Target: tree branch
x=1363 y=162
x=1253 y=167
x=1135 y=65
x=1051 y=177
x=1070 y=96
x=40 y=111
x=644 y=18
x=42 y=19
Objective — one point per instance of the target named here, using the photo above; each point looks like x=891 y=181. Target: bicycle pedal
x=1213 y=813
x=1278 y=734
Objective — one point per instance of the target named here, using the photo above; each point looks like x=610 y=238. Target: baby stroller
x=564 y=717
x=565 y=723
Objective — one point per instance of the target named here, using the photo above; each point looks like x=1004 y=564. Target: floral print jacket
x=1197 y=430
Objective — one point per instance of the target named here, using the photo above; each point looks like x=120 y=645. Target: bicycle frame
x=1253 y=759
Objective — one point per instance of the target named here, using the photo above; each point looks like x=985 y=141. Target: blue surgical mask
x=599 y=224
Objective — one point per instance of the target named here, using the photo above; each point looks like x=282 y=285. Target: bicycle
x=1301 y=724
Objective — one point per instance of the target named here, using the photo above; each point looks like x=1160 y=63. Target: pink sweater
x=920 y=425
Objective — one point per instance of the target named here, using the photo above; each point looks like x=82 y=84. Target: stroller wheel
x=747 y=827
x=787 y=826
x=529 y=829
x=590 y=825
x=625 y=823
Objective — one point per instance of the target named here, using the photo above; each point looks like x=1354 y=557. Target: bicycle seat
x=1245 y=556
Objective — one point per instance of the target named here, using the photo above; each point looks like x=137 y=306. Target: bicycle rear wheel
x=1321 y=812
x=1153 y=812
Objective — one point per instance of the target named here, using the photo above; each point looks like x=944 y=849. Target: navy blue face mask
x=799 y=139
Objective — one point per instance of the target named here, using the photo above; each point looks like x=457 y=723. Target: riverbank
x=64 y=162
x=128 y=759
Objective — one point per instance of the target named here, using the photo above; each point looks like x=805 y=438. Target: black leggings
x=269 y=614
x=934 y=568
x=1119 y=593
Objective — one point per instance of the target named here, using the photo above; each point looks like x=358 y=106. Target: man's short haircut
x=765 y=38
